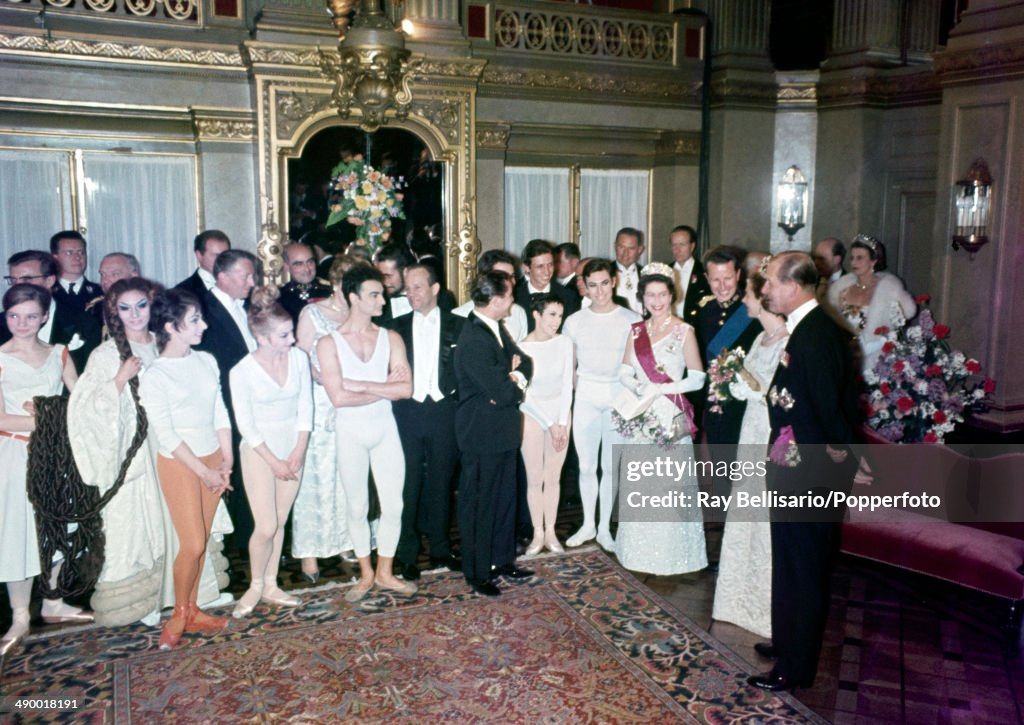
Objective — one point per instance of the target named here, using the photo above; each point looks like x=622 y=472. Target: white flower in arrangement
x=921 y=386
x=914 y=334
x=958 y=359
x=896 y=317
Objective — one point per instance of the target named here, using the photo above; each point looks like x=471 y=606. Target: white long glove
x=694 y=380
x=627 y=376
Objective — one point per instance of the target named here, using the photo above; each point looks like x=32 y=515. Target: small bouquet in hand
x=723 y=371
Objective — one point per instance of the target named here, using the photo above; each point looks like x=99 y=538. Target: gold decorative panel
x=293 y=104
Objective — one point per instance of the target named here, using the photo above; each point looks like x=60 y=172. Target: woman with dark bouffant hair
x=28 y=368
x=103 y=422
x=181 y=394
x=273 y=398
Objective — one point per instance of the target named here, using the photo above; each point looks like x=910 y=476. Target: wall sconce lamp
x=972 y=200
x=792 y=200
x=372 y=70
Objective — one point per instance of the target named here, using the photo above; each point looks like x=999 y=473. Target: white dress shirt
x=44 y=331
x=236 y=308
x=682 y=273
x=629 y=282
x=426 y=340
x=794 y=317
x=515 y=322
x=207 y=278
x=66 y=284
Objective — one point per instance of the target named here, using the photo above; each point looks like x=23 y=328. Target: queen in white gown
x=662 y=357
x=743 y=592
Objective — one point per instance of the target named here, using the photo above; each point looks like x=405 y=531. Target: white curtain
x=144 y=205
x=610 y=200
x=536 y=206
x=35 y=198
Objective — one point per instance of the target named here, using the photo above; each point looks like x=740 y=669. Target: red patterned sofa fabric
x=987 y=555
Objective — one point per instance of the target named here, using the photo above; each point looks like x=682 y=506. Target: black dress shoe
x=450 y=562
x=486 y=588
x=410 y=572
x=511 y=571
x=766 y=649
x=774 y=682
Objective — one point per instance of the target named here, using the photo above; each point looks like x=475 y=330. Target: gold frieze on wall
x=111 y=50
x=492 y=137
x=995 y=60
x=883 y=90
x=586 y=82
x=797 y=94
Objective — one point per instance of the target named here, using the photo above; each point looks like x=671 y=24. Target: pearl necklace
x=662 y=326
x=865 y=287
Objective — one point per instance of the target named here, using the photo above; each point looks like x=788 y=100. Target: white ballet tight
x=371 y=441
x=20 y=594
x=543 y=471
x=593 y=431
x=270 y=499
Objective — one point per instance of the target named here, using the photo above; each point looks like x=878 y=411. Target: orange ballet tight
x=192 y=506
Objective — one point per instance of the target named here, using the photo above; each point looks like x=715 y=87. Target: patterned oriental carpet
x=583 y=642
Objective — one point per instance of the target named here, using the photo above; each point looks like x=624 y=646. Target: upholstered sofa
x=986 y=553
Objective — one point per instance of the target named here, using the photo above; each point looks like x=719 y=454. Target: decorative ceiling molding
x=744 y=92
x=109 y=50
x=881 y=90
x=803 y=93
x=988 y=58
x=492 y=137
x=224 y=129
x=588 y=82
x=686 y=143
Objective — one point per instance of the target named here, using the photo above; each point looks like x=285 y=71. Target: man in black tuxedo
x=629 y=246
x=539 y=261
x=492 y=375
x=303 y=287
x=567 y=262
x=722 y=323
x=207 y=246
x=72 y=288
x=691 y=283
x=426 y=422
x=812 y=402
x=229 y=339
x=65 y=324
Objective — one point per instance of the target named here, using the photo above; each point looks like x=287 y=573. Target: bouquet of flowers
x=721 y=372
x=920 y=388
x=646 y=427
x=366 y=198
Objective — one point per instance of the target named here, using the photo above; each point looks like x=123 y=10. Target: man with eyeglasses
x=65 y=323
x=304 y=286
x=72 y=288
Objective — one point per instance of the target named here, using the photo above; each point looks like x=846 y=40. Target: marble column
x=435 y=22
x=743 y=92
x=982 y=75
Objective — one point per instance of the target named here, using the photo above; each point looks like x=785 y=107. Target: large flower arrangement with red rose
x=920 y=388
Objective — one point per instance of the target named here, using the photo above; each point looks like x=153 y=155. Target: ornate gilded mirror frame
x=294 y=103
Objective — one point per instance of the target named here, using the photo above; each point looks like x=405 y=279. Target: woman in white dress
x=869 y=297
x=547 y=409
x=272 y=393
x=28 y=368
x=743 y=592
x=364 y=368
x=102 y=425
x=662 y=357
x=182 y=398
x=320 y=513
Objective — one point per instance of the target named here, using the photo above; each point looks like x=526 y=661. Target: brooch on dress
x=784 y=450
x=781 y=398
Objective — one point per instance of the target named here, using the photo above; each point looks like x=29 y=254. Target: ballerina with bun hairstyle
x=272 y=392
